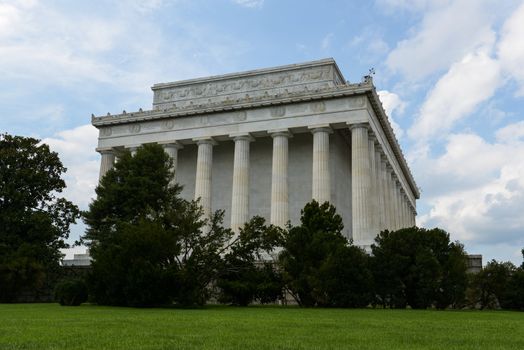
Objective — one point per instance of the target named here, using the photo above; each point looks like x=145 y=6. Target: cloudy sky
x=450 y=74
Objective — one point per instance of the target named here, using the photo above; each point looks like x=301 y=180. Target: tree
x=248 y=272
x=514 y=296
x=34 y=220
x=490 y=286
x=418 y=267
x=499 y=284
x=148 y=245
x=319 y=266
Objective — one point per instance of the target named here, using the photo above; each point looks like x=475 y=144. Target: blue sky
x=450 y=75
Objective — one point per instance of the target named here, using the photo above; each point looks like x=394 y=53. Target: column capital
x=358 y=126
x=105 y=150
x=371 y=136
x=171 y=144
x=206 y=140
x=280 y=132
x=242 y=136
x=320 y=127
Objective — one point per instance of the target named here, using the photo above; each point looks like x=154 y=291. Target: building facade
x=265 y=142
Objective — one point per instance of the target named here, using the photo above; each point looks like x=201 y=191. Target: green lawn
x=50 y=326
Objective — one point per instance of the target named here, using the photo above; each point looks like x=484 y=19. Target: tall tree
x=514 y=295
x=320 y=268
x=249 y=272
x=34 y=220
x=490 y=286
x=148 y=245
x=418 y=267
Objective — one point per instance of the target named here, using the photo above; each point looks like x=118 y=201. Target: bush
x=318 y=264
x=71 y=292
x=420 y=268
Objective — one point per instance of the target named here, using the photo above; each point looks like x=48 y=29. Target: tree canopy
x=419 y=267
x=149 y=246
x=34 y=220
x=319 y=265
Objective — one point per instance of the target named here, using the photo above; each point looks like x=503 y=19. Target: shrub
x=71 y=292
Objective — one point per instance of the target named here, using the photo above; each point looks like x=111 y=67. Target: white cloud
x=76 y=148
x=511 y=49
x=467 y=83
x=250 y=3
x=512 y=132
x=127 y=49
x=369 y=46
x=393 y=105
x=476 y=190
x=447 y=33
x=326 y=41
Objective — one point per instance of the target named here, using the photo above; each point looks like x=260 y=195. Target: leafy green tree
x=200 y=261
x=248 y=272
x=319 y=266
x=498 y=284
x=148 y=245
x=514 y=295
x=418 y=267
x=454 y=283
x=490 y=286
x=345 y=279
x=34 y=220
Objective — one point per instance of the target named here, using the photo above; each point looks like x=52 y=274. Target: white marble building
x=265 y=142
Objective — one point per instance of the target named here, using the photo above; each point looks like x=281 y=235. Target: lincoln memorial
x=265 y=142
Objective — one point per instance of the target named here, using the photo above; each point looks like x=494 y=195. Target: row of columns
x=378 y=199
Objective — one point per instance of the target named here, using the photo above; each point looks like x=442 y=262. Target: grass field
x=50 y=326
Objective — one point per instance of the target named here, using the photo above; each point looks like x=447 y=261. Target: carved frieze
x=318 y=106
x=278 y=111
x=106 y=132
x=168 y=124
x=357 y=102
x=255 y=86
x=134 y=128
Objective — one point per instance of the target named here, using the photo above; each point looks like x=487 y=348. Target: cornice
x=224 y=106
x=390 y=134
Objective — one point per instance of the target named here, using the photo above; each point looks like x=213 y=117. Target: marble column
x=389 y=197
x=396 y=186
x=361 y=185
x=404 y=222
x=379 y=187
x=374 y=189
x=203 y=173
x=279 y=178
x=408 y=212
x=321 y=189
x=385 y=189
x=404 y=211
x=240 y=190
x=393 y=194
x=171 y=149
x=107 y=162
